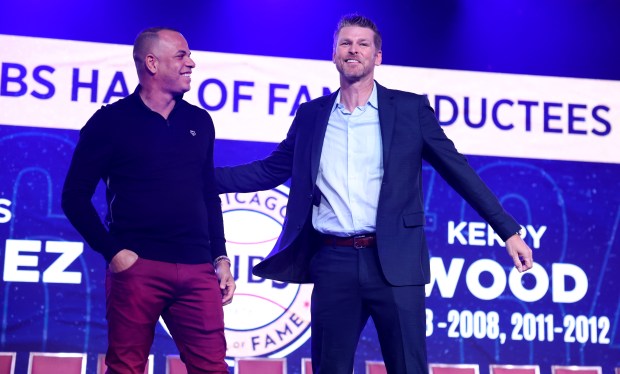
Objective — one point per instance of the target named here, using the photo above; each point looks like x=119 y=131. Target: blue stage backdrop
x=535 y=108
x=565 y=312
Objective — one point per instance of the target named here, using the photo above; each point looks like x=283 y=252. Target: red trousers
x=188 y=298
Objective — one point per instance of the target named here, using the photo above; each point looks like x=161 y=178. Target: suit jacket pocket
x=414 y=219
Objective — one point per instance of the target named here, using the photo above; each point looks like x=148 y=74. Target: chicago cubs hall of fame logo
x=266 y=317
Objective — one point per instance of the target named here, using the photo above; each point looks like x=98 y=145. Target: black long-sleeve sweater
x=162 y=201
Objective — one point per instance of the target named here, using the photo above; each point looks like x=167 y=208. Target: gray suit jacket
x=410 y=133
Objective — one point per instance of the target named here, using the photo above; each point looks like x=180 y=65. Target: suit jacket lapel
x=320 y=126
x=387 y=114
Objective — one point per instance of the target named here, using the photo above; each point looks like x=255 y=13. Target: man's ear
x=379 y=58
x=151 y=63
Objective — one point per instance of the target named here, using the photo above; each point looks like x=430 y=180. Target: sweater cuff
x=110 y=250
x=218 y=248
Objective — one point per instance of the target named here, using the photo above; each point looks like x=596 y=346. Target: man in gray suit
x=355 y=217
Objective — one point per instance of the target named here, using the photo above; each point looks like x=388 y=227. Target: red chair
x=174 y=365
x=102 y=367
x=375 y=367
x=556 y=369
x=306 y=365
x=514 y=369
x=453 y=369
x=7 y=362
x=254 y=365
x=66 y=363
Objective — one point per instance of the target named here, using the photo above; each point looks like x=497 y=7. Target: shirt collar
x=372 y=100
x=136 y=96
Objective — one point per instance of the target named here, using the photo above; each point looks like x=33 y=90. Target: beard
x=352 y=73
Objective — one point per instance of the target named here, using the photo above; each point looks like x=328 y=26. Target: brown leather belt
x=358 y=241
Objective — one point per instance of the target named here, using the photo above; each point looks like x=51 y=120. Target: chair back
x=255 y=365
x=375 y=367
x=174 y=365
x=306 y=365
x=514 y=369
x=453 y=369
x=573 y=369
x=102 y=367
x=7 y=362
x=66 y=363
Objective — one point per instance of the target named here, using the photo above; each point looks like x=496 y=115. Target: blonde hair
x=355 y=19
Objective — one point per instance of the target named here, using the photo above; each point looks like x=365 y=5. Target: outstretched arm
x=260 y=175
x=454 y=168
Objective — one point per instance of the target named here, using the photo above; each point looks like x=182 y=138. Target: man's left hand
x=227 y=283
x=520 y=253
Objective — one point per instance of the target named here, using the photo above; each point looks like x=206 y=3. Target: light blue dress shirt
x=350 y=171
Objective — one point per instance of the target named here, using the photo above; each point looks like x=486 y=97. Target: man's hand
x=520 y=253
x=227 y=283
x=123 y=260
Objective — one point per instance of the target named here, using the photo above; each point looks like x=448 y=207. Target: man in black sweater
x=164 y=235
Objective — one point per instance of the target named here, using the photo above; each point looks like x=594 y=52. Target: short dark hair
x=145 y=40
x=355 y=19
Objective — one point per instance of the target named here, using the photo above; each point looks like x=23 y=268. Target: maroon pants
x=189 y=300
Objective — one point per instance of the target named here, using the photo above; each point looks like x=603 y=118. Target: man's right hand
x=123 y=260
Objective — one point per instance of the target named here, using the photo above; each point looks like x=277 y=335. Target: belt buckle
x=358 y=244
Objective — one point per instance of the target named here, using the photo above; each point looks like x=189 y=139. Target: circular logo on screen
x=266 y=317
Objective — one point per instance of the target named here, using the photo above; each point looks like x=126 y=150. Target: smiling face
x=173 y=64
x=355 y=54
